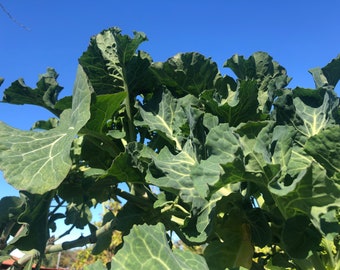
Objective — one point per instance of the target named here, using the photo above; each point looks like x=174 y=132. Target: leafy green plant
x=242 y=165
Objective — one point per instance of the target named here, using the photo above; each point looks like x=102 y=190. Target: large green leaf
x=315 y=119
x=146 y=247
x=186 y=73
x=102 y=111
x=128 y=166
x=311 y=187
x=45 y=95
x=111 y=62
x=241 y=105
x=184 y=175
x=39 y=161
x=98 y=265
x=166 y=116
x=235 y=249
x=269 y=75
x=299 y=237
x=34 y=219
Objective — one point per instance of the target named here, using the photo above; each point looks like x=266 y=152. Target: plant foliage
x=242 y=165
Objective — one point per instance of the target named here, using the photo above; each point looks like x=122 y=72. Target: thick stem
x=82 y=241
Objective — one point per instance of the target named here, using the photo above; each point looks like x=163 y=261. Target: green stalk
x=318 y=265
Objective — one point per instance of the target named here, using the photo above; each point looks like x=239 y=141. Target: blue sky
x=298 y=34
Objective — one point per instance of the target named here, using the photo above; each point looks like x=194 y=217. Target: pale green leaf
x=222 y=144
x=39 y=161
x=98 y=265
x=146 y=247
x=314 y=119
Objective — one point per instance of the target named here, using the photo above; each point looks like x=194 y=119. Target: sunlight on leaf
x=146 y=247
x=39 y=161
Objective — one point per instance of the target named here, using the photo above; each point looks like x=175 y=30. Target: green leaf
x=235 y=250
x=46 y=125
x=34 y=220
x=78 y=215
x=45 y=95
x=111 y=62
x=260 y=230
x=240 y=106
x=39 y=161
x=165 y=116
x=260 y=67
x=10 y=208
x=324 y=147
x=176 y=171
x=300 y=237
x=315 y=119
x=328 y=75
x=300 y=194
x=127 y=166
x=184 y=175
x=198 y=227
x=98 y=265
x=222 y=144
x=102 y=111
x=146 y=247
x=186 y=73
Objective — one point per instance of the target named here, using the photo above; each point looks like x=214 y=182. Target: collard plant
x=241 y=165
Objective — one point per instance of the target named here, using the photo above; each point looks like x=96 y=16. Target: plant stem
x=60 y=203
x=132 y=198
x=131 y=134
x=317 y=262
x=82 y=241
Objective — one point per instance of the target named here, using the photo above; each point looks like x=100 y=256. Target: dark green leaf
x=102 y=111
x=45 y=95
x=269 y=75
x=10 y=208
x=186 y=73
x=300 y=237
x=34 y=219
x=235 y=249
x=111 y=62
x=78 y=215
x=328 y=75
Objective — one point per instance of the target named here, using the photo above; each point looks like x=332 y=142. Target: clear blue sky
x=299 y=35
